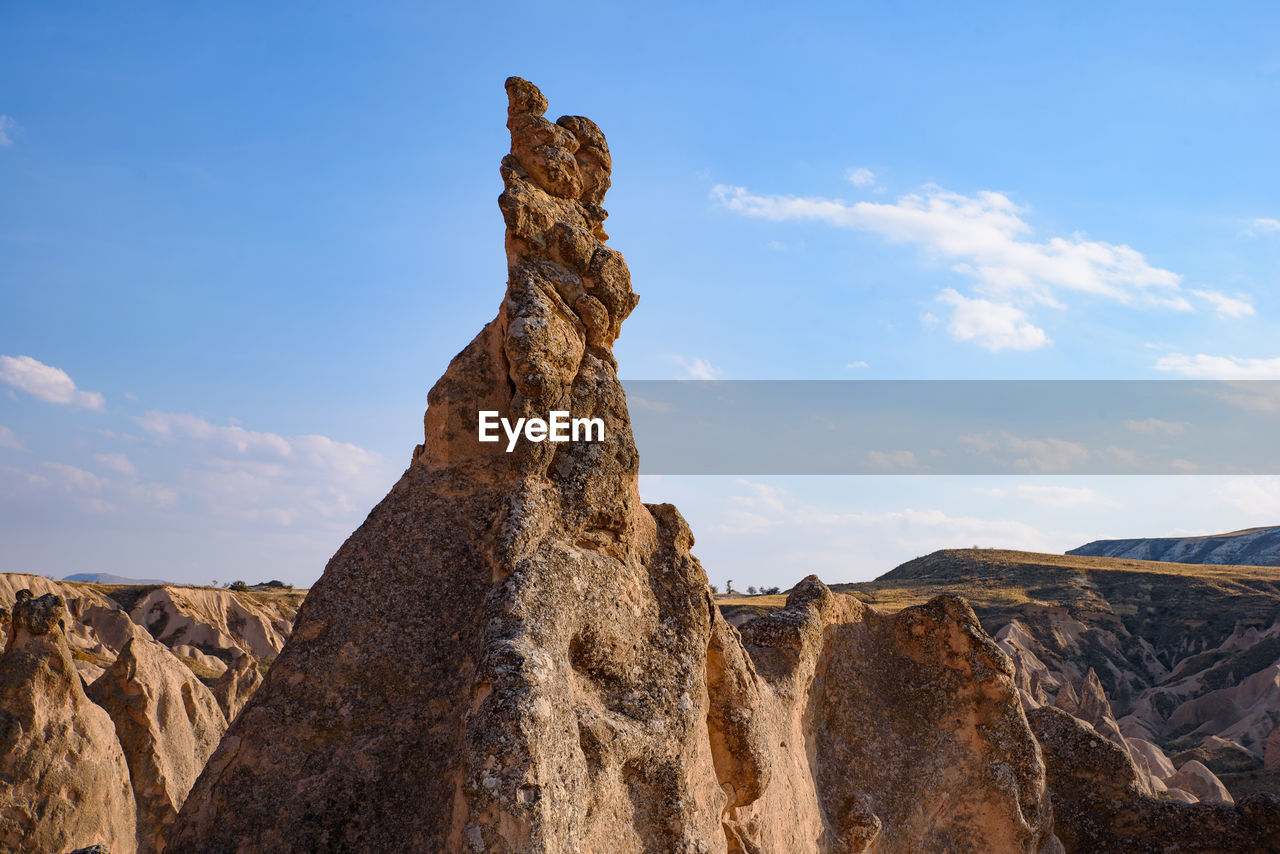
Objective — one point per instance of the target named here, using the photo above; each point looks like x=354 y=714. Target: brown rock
x=236 y=685
x=64 y=783
x=168 y=723
x=1099 y=805
x=513 y=653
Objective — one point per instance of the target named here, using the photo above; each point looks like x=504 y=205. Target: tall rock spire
x=514 y=654
x=511 y=649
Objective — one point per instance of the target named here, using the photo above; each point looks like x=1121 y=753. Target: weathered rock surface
x=217 y=622
x=236 y=685
x=1182 y=657
x=1100 y=806
x=168 y=724
x=513 y=653
x=64 y=782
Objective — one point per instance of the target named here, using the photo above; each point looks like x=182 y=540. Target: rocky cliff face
x=64 y=782
x=118 y=695
x=513 y=653
x=1252 y=547
x=168 y=724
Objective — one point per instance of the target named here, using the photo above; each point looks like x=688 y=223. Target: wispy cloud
x=988 y=240
x=1206 y=367
x=1264 y=225
x=861 y=177
x=256 y=476
x=1029 y=455
x=995 y=326
x=857 y=366
x=118 y=463
x=46 y=382
x=697 y=369
x=1227 y=306
x=8 y=127
x=1151 y=426
x=10 y=441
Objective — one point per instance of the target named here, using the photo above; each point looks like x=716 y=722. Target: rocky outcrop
x=221 y=623
x=64 y=782
x=236 y=685
x=550 y=672
x=1251 y=547
x=168 y=724
x=911 y=722
x=1100 y=806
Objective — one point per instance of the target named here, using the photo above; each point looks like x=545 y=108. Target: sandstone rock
x=63 y=779
x=236 y=685
x=168 y=723
x=1195 y=778
x=913 y=721
x=514 y=654
x=1099 y=805
x=215 y=620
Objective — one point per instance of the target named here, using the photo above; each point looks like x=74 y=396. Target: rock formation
x=1100 y=806
x=64 y=783
x=513 y=653
x=219 y=622
x=234 y=688
x=168 y=724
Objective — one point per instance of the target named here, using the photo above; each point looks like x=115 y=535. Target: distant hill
x=1251 y=547
x=108 y=578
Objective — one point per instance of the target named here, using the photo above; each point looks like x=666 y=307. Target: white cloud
x=1237 y=306
x=1151 y=426
x=8 y=440
x=861 y=177
x=7 y=128
x=1257 y=498
x=1064 y=496
x=698 y=369
x=264 y=477
x=988 y=241
x=1049 y=455
x=1220 y=367
x=994 y=326
x=117 y=463
x=1264 y=225
x=173 y=425
x=853 y=366
x=46 y=382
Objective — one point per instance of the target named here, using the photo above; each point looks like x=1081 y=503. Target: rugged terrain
x=1250 y=547
x=1185 y=657
x=513 y=653
x=113 y=697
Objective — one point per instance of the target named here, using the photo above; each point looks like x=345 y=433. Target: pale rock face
x=236 y=685
x=514 y=654
x=212 y=619
x=1195 y=778
x=64 y=783
x=168 y=723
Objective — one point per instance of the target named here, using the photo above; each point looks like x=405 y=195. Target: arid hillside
x=1186 y=656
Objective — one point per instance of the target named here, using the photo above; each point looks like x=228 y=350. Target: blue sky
x=237 y=245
